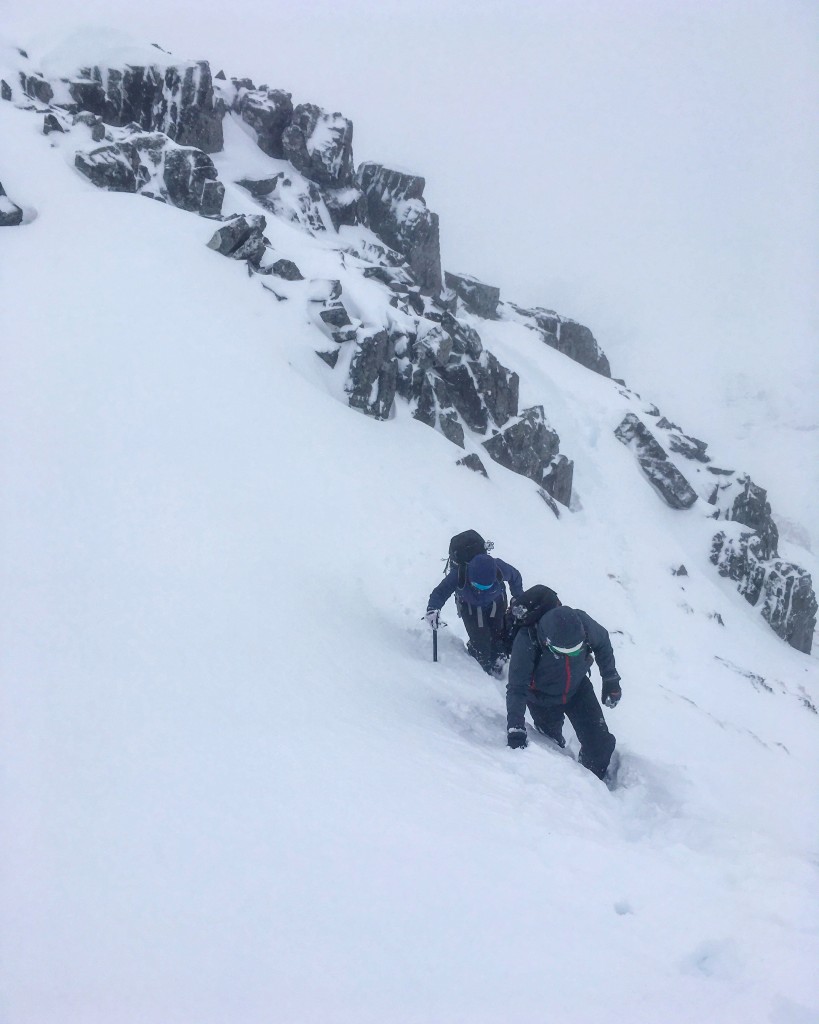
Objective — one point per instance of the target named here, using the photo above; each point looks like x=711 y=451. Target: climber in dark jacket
x=549 y=674
x=481 y=602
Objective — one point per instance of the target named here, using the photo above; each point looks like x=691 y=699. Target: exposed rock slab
x=664 y=476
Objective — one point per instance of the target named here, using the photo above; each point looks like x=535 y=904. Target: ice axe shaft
x=435 y=644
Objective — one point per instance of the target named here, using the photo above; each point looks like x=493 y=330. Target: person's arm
x=445 y=589
x=512 y=577
x=600 y=643
x=521 y=667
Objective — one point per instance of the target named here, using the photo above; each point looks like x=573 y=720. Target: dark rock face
x=268 y=112
x=51 y=124
x=110 y=167
x=177 y=101
x=567 y=336
x=667 y=480
x=786 y=591
x=5 y=89
x=393 y=208
x=320 y=145
x=473 y=462
x=526 y=447
x=738 y=498
x=477 y=297
x=287 y=270
x=240 y=237
x=373 y=375
x=36 y=88
x=10 y=214
x=558 y=481
x=342 y=205
x=149 y=163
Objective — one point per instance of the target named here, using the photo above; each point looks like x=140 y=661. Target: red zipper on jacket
x=568 y=677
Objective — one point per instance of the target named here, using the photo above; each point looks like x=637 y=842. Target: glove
x=433 y=617
x=516 y=738
x=611 y=693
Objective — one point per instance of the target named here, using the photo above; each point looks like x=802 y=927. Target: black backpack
x=462 y=549
x=526 y=610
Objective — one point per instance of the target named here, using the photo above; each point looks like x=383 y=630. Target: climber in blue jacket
x=481 y=601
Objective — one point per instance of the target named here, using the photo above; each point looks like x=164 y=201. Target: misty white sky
x=646 y=167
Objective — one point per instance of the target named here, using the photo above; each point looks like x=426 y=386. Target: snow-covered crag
x=392 y=325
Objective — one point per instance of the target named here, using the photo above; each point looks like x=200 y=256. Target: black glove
x=516 y=738
x=612 y=692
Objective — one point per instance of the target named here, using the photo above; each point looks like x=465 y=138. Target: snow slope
x=237 y=788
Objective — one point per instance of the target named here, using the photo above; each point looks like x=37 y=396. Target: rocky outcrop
x=150 y=164
x=664 y=476
x=530 y=447
x=10 y=214
x=320 y=145
x=783 y=591
x=268 y=112
x=736 y=497
x=567 y=336
x=291 y=198
x=177 y=100
x=473 y=462
x=241 y=238
x=392 y=206
x=477 y=297
x=683 y=444
x=373 y=374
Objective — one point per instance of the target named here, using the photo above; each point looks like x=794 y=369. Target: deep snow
x=236 y=787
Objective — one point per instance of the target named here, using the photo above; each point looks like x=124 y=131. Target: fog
x=647 y=168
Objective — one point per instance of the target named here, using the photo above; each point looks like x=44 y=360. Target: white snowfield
x=236 y=789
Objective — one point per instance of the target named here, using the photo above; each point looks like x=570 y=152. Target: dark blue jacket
x=538 y=676
x=469 y=595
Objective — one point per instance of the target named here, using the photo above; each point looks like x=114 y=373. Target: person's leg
x=586 y=716
x=480 y=642
x=548 y=721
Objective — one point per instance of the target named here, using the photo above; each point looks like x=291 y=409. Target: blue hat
x=482 y=570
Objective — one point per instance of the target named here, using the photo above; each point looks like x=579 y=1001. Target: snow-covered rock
x=241 y=238
x=320 y=145
x=666 y=479
x=529 y=447
x=783 y=591
x=268 y=112
x=477 y=297
x=10 y=214
x=567 y=336
x=176 y=99
x=394 y=208
x=151 y=164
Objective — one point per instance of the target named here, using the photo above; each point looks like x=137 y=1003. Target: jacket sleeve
x=445 y=589
x=512 y=577
x=521 y=666
x=599 y=641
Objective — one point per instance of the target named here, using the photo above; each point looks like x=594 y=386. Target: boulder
x=10 y=214
x=51 y=124
x=666 y=479
x=477 y=297
x=320 y=145
x=558 y=481
x=268 y=112
x=473 y=462
x=393 y=208
x=240 y=234
x=110 y=167
x=36 y=88
x=5 y=89
x=527 y=446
